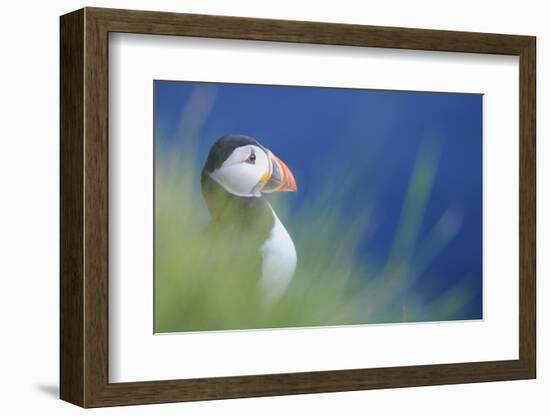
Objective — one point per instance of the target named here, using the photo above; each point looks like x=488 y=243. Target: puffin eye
x=252 y=158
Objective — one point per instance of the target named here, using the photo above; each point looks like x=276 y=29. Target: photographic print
x=294 y=206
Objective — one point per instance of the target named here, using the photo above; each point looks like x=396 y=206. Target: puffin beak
x=281 y=178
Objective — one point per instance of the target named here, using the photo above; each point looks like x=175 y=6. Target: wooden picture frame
x=84 y=207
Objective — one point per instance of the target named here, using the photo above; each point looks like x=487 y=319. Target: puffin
x=237 y=174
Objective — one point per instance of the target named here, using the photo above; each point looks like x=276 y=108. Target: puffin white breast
x=278 y=261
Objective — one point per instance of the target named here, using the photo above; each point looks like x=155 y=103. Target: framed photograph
x=257 y=207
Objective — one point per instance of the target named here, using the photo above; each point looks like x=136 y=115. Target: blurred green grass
x=195 y=289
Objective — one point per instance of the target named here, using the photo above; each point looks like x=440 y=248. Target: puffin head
x=245 y=168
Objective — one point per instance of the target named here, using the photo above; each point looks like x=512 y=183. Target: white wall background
x=29 y=224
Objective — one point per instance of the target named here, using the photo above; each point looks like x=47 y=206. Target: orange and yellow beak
x=280 y=179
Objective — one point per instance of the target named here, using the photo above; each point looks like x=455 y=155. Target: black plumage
x=223 y=147
x=239 y=224
x=251 y=215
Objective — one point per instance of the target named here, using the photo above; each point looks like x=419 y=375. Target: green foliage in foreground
x=195 y=290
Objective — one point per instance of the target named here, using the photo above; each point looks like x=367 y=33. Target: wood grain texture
x=225 y=27
x=71 y=208
x=84 y=207
x=528 y=208
x=96 y=208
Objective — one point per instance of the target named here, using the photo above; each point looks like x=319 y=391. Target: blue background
x=370 y=137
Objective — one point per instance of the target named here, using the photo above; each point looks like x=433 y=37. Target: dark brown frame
x=84 y=207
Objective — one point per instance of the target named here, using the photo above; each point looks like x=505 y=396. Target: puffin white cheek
x=240 y=179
